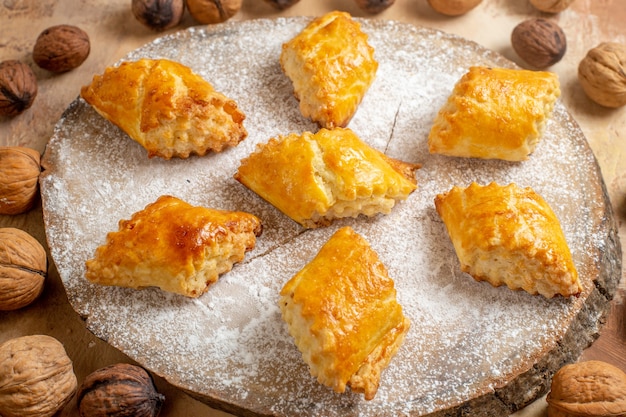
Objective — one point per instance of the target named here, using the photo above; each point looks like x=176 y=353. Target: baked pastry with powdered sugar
x=316 y=178
x=342 y=312
x=166 y=108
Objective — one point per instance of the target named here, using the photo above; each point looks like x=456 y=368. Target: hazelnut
x=61 y=48
x=18 y=87
x=602 y=74
x=158 y=14
x=282 y=4
x=119 y=390
x=585 y=389
x=23 y=267
x=19 y=179
x=551 y=6
x=539 y=42
x=213 y=11
x=374 y=6
x=453 y=7
x=36 y=377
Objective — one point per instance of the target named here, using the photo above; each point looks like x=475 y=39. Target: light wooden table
x=114 y=32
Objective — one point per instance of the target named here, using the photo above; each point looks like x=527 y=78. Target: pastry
x=315 y=178
x=175 y=246
x=342 y=312
x=331 y=65
x=495 y=113
x=166 y=108
x=507 y=235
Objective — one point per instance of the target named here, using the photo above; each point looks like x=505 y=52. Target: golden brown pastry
x=342 y=312
x=165 y=107
x=495 y=113
x=315 y=178
x=331 y=65
x=175 y=246
x=509 y=235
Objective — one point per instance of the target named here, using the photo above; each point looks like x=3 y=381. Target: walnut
x=61 y=48
x=453 y=7
x=374 y=6
x=23 y=267
x=119 y=390
x=602 y=74
x=158 y=14
x=19 y=179
x=585 y=389
x=282 y=4
x=539 y=42
x=551 y=6
x=213 y=11
x=36 y=377
x=18 y=87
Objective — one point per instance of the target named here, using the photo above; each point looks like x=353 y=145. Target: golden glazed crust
x=495 y=113
x=509 y=235
x=315 y=178
x=175 y=246
x=165 y=107
x=331 y=66
x=342 y=312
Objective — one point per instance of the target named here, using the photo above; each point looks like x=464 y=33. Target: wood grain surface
x=114 y=32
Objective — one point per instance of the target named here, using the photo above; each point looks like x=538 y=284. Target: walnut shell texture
x=602 y=74
x=158 y=14
x=453 y=7
x=61 y=48
x=23 y=266
x=36 y=377
x=19 y=178
x=18 y=87
x=539 y=42
x=119 y=390
x=213 y=11
x=551 y=6
x=591 y=388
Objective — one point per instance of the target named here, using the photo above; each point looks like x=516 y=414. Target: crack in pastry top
x=467 y=339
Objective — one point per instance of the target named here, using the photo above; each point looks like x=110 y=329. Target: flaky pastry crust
x=175 y=246
x=507 y=235
x=166 y=108
x=331 y=65
x=495 y=113
x=342 y=312
x=315 y=178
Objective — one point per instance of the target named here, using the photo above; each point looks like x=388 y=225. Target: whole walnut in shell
x=591 y=388
x=23 y=267
x=374 y=6
x=453 y=7
x=119 y=390
x=602 y=74
x=539 y=42
x=61 y=48
x=158 y=14
x=19 y=179
x=213 y=11
x=551 y=6
x=36 y=377
x=18 y=87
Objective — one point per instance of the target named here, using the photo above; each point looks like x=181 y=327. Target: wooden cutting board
x=472 y=348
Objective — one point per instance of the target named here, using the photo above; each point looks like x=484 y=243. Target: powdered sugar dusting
x=230 y=345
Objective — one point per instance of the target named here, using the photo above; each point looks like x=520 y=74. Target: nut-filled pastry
x=331 y=65
x=342 y=312
x=495 y=113
x=315 y=178
x=175 y=246
x=166 y=108
x=507 y=235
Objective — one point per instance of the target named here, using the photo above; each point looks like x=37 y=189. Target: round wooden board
x=474 y=348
